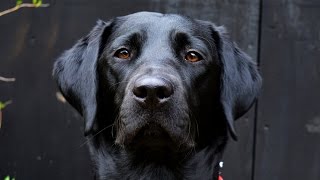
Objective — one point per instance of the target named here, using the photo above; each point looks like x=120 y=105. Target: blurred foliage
x=19 y=2
x=4 y=104
x=8 y=178
x=37 y=3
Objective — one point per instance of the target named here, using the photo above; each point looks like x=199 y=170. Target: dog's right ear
x=240 y=78
x=76 y=76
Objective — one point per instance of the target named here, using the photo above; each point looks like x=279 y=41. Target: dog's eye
x=193 y=56
x=122 y=53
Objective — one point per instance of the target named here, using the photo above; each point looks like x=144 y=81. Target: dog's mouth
x=152 y=137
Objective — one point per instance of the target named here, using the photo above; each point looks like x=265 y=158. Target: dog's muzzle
x=154 y=113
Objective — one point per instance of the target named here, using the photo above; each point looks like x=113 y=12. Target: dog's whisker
x=197 y=133
x=112 y=130
x=195 y=120
x=189 y=129
x=117 y=83
x=115 y=124
x=95 y=135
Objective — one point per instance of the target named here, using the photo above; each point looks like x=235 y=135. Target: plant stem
x=17 y=7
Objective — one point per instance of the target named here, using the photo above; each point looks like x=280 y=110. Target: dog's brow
x=183 y=39
x=180 y=38
x=132 y=39
x=202 y=43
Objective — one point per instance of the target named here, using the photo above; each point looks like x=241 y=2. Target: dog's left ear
x=240 y=79
x=75 y=72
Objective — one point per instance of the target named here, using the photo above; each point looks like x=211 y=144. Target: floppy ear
x=240 y=79
x=76 y=76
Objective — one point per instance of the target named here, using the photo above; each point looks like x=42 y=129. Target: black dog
x=159 y=94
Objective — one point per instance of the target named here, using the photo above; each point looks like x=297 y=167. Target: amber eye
x=122 y=53
x=193 y=56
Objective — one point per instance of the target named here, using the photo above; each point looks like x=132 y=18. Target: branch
x=17 y=7
x=7 y=79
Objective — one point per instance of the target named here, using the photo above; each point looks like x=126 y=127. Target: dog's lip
x=152 y=135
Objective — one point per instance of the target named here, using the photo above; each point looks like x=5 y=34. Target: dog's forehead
x=155 y=22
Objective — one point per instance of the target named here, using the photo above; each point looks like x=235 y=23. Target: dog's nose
x=152 y=90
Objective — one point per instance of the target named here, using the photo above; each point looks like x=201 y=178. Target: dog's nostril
x=140 y=91
x=164 y=92
x=152 y=88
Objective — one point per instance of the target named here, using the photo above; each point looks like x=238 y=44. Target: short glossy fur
x=154 y=114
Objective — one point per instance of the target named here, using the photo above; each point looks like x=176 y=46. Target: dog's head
x=162 y=80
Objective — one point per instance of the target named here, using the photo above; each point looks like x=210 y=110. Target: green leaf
x=7 y=178
x=18 y=2
x=37 y=2
x=3 y=105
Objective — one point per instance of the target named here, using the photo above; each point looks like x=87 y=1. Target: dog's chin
x=154 y=140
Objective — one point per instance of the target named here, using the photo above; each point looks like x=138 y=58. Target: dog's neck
x=116 y=163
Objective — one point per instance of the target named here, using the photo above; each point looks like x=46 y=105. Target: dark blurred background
x=279 y=139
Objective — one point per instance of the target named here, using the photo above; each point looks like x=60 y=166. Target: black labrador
x=159 y=94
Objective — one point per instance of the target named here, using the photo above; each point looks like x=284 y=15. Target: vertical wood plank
x=289 y=115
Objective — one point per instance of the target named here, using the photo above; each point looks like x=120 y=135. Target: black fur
x=155 y=115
